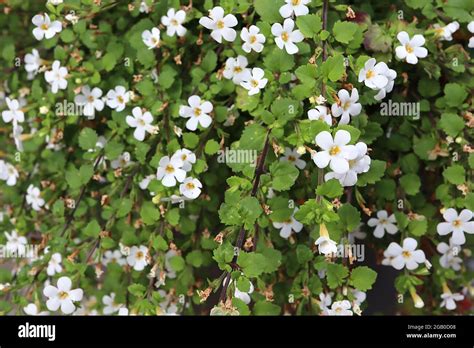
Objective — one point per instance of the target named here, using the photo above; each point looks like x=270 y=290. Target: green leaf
x=455 y=94
x=303 y=254
x=333 y=68
x=137 y=290
x=309 y=25
x=330 y=189
x=149 y=213
x=362 y=278
x=279 y=60
x=92 y=229
x=87 y=139
x=268 y=10
x=455 y=174
x=350 y=216
x=177 y=263
x=410 y=183
x=376 y=171
x=335 y=274
x=344 y=31
x=451 y=124
x=212 y=147
x=252 y=264
x=195 y=258
x=283 y=175
x=266 y=308
x=418 y=227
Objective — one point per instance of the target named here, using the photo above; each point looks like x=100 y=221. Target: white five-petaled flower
x=236 y=69
x=288 y=226
x=324 y=243
x=294 y=6
x=54 y=264
x=32 y=63
x=374 y=74
x=117 y=98
x=8 y=173
x=187 y=156
x=360 y=164
x=144 y=8
x=320 y=113
x=383 y=223
x=446 y=32
x=325 y=301
x=252 y=38
x=390 y=74
x=255 y=82
x=457 y=224
x=293 y=157
x=14 y=112
x=190 y=188
x=32 y=309
x=335 y=152
x=113 y=257
x=449 y=257
x=470 y=27
x=174 y=22
x=110 y=305
x=244 y=295
x=347 y=106
x=340 y=308
x=122 y=161
x=15 y=243
x=449 y=299
x=170 y=170
x=197 y=112
x=141 y=121
x=62 y=296
x=404 y=256
x=151 y=38
x=56 y=77
x=90 y=100
x=44 y=27
x=138 y=257
x=286 y=37
x=411 y=49
x=220 y=25
x=33 y=197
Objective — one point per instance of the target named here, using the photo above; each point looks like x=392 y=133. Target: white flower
x=446 y=32
x=340 y=308
x=383 y=223
x=117 y=98
x=54 y=264
x=288 y=226
x=324 y=243
x=347 y=105
x=32 y=63
x=411 y=49
x=141 y=122
x=359 y=296
x=33 y=198
x=220 y=25
x=72 y=18
x=13 y=113
x=55 y=2
x=236 y=69
x=470 y=27
x=244 y=296
x=113 y=257
x=285 y=37
x=293 y=157
x=449 y=299
x=360 y=164
x=110 y=305
x=32 y=309
x=252 y=38
x=173 y=22
x=325 y=301
x=255 y=82
x=406 y=256
x=146 y=181
x=457 y=225
x=320 y=113
x=188 y=158
x=390 y=74
x=294 y=6
x=90 y=100
x=170 y=170
x=8 y=173
x=15 y=243
x=17 y=135
x=144 y=7
x=374 y=75
x=56 y=77
x=197 y=112
x=44 y=27
x=449 y=258
x=190 y=188
x=62 y=296
x=336 y=153
x=123 y=311
x=138 y=257
x=151 y=38
x=122 y=161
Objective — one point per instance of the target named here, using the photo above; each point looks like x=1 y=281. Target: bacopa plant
x=236 y=157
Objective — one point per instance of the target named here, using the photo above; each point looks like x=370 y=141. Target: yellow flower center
x=237 y=69
x=253 y=39
x=120 y=99
x=63 y=295
x=409 y=48
x=457 y=223
x=254 y=83
x=383 y=221
x=439 y=31
x=44 y=26
x=141 y=122
x=291 y=158
x=197 y=111
x=334 y=150
x=295 y=2
x=190 y=186
x=174 y=22
x=90 y=99
x=220 y=24
x=184 y=157
x=406 y=254
x=169 y=169
x=369 y=74
x=139 y=255
x=284 y=36
x=346 y=105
